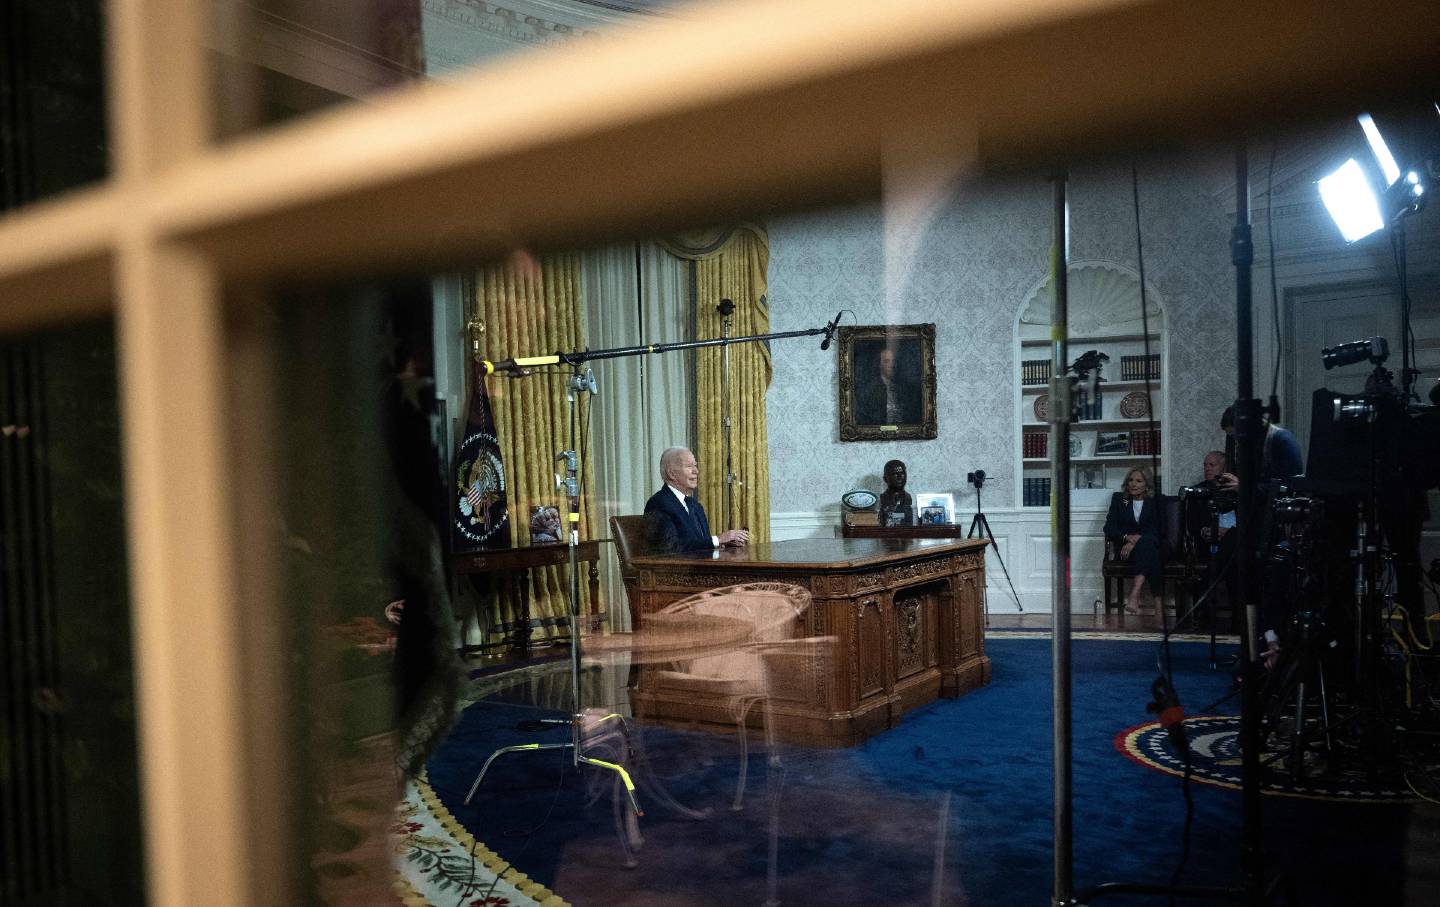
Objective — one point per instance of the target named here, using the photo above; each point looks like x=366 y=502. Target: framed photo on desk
x=887 y=382
x=934 y=509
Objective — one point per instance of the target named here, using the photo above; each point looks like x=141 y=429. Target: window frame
x=736 y=107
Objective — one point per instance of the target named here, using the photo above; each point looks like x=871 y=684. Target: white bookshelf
x=1094 y=475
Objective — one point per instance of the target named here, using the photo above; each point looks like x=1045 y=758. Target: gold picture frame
x=902 y=409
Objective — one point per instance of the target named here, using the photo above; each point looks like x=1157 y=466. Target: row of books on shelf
x=1035 y=445
x=1036 y=492
x=1034 y=371
x=1145 y=441
x=1140 y=368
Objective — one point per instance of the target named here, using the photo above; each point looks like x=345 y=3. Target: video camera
x=1222 y=499
x=1200 y=507
x=1297 y=509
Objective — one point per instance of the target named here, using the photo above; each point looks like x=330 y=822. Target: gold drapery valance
x=707 y=242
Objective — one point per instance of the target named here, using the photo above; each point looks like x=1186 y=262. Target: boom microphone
x=830 y=331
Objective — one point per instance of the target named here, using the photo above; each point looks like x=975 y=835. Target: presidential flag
x=481 y=512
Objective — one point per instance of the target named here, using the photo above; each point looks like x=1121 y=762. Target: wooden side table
x=515 y=564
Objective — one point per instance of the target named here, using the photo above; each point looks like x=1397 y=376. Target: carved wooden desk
x=515 y=564
x=905 y=614
x=927 y=531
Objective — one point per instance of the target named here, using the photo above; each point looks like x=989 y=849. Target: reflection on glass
x=835 y=712
x=902 y=735
x=284 y=58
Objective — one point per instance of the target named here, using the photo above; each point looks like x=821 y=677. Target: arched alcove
x=1123 y=421
x=1104 y=301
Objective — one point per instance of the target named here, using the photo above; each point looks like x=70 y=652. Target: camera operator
x=1279 y=459
x=1280 y=456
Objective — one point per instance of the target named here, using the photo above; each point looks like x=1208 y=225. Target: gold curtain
x=532 y=308
x=732 y=263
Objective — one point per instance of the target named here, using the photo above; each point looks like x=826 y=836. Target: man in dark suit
x=676 y=520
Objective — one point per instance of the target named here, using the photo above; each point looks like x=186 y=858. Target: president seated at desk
x=675 y=520
x=906 y=616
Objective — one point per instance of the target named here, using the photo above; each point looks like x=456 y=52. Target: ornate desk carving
x=905 y=614
x=917 y=531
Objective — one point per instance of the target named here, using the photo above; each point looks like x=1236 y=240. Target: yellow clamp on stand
x=521 y=362
x=624 y=775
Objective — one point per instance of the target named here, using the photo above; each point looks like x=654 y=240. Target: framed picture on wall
x=887 y=382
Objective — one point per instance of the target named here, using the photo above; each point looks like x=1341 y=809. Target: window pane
x=52 y=99
x=854 y=704
x=68 y=769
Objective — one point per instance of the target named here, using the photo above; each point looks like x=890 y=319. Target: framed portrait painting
x=887 y=382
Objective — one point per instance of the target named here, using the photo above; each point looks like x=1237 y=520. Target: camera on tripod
x=1297 y=509
x=1202 y=503
x=976 y=478
x=1223 y=499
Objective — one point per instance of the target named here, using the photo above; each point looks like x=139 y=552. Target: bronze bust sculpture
x=896 y=506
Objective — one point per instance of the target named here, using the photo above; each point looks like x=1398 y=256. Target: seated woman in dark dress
x=1133 y=524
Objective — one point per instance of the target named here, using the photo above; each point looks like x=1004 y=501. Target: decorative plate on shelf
x=1042 y=408
x=1134 y=405
x=859 y=499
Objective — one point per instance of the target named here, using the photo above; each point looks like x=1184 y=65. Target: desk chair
x=732 y=679
x=630 y=534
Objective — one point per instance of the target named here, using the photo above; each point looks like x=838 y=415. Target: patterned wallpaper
x=968 y=270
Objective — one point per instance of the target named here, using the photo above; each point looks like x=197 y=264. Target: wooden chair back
x=629 y=533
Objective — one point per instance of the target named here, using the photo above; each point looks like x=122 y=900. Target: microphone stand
x=726 y=308
x=582 y=380
x=1063 y=894
x=579 y=382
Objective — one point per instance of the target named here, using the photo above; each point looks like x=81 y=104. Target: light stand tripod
x=577 y=383
x=1248 y=434
x=980 y=528
x=580 y=382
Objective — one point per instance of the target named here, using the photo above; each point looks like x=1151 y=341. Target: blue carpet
x=860 y=825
